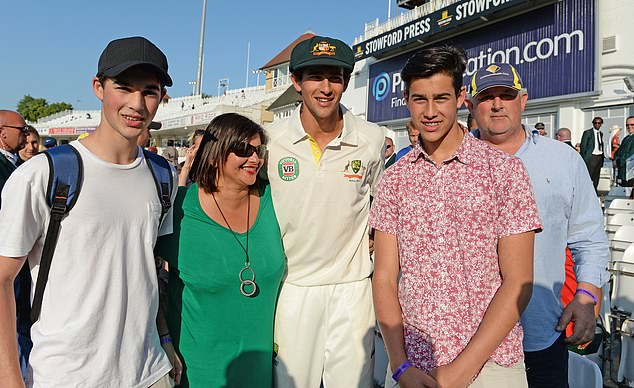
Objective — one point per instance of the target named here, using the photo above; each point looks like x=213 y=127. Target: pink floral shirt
x=448 y=221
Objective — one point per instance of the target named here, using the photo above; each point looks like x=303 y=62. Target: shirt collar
x=532 y=136
x=463 y=154
x=12 y=158
x=347 y=136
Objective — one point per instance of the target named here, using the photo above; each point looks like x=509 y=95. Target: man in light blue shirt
x=570 y=214
x=412 y=132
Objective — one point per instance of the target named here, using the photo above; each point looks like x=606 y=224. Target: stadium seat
x=616 y=221
x=621 y=240
x=583 y=373
x=623 y=278
x=619 y=205
x=626 y=363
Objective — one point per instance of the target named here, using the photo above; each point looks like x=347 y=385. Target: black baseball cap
x=321 y=51
x=122 y=54
x=155 y=125
x=540 y=125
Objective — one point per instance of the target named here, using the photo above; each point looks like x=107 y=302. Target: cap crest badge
x=323 y=48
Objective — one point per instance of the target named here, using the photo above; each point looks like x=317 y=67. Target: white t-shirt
x=97 y=326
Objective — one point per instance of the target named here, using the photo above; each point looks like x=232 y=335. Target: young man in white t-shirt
x=97 y=325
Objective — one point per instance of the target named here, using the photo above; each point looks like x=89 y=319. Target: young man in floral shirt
x=457 y=219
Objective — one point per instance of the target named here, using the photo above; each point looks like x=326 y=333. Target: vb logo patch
x=288 y=168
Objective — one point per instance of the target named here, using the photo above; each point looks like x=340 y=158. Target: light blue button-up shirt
x=571 y=215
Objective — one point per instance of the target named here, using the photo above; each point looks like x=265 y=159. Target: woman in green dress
x=226 y=261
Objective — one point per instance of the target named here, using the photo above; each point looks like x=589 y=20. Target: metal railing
x=282 y=81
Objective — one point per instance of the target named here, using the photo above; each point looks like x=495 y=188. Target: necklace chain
x=245 y=284
x=246 y=250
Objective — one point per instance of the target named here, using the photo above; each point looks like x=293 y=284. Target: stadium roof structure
x=285 y=55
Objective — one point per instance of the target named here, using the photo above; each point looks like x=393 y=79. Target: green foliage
x=32 y=109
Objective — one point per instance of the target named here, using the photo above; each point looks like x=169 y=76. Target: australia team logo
x=381 y=86
x=354 y=170
x=323 y=48
x=288 y=168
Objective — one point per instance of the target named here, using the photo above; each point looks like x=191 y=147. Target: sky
x=49 y=49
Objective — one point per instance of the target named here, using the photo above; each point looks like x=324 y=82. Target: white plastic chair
x=626 y=363
x=619 y=205
x=623 y=287
x=621 y=240
x=616 y=221
x=620 y=192
x=583 y=373
x=606 y=306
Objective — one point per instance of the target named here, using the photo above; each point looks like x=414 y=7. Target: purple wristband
x=165 y=339
x=586 y=292
x=400 y=370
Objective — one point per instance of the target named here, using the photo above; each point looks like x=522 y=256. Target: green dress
x=225 y=339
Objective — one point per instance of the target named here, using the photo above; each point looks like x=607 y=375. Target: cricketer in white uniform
x=323 y=164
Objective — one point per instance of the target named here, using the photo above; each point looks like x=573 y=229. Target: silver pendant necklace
x=248 y=287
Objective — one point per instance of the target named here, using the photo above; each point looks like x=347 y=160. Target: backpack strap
x=66 y=173
x=163 y=179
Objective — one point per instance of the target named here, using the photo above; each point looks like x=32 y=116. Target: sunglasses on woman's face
x=245 y=150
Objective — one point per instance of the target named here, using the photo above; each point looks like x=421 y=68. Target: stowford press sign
x=452 y=16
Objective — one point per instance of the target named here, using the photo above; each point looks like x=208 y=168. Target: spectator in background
x=144 y=139
x=49 y=142
x=615 y=142
x=592 y=150
x=541 y=128
x=471 y=123
x=31 y=146
x=625 y=151
x=563 y=135
x=412 y=132
x=185 y=167
x=171 y=153
x=13 y=131
x=390 y=155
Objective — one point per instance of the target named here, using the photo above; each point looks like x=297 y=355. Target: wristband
x=588 y=293
x=400 y=370
x=165 y=339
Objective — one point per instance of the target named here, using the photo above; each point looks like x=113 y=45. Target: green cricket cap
x=321 y=51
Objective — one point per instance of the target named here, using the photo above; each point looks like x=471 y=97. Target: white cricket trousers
x=325 y=333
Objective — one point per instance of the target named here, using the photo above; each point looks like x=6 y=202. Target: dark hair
x=32 y=131
x=429 y=61
x=222 y=133
x=299 y=73
x=597 y=118
x=629 y=117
